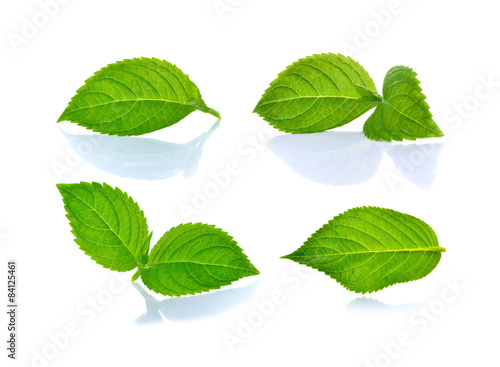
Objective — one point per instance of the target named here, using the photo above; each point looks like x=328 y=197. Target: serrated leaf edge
x=190 y=293
x=299 y=61
x=75 y=233
x=191 y=103
x=423 y=100
x=315 y=234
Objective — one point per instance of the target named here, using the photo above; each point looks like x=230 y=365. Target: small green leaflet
x=190 y=258
x=326 y=91
x=403 y=112
x=135 y=97
x=368 y=248
x=318 y=93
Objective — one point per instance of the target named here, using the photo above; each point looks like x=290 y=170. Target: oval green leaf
x=135 y=97
x=368 y=248
x=194 y=258
x=318 y=93
x=107 y=224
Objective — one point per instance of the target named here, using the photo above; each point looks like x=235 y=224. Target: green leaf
x=318 y=93
x=135 y=97
x=403 y=112
x=107 y=224
x=368 y=248
x=194 y=258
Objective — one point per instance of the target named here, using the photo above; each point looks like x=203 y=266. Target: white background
x=273 y=202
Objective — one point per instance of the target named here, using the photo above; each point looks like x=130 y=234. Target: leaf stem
x=213 y=112
x=136 y=275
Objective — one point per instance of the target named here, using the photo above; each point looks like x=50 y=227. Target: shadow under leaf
x=343 y=158
x=367 y=304
x=192 y=307
x=140 y=158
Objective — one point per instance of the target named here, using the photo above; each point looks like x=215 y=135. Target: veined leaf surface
x=135 y=97
x=368 y=248
x=193 y=258
x=318 y=93
x=107 y=224
x=403 y=113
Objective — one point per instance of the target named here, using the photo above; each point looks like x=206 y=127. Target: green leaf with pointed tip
x=107 y=224
x=403 y=112
x=135 y=97
x=193 y=258
x=368 y=248
x=318 y=93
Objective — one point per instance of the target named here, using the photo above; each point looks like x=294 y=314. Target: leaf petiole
x=213 y=112
x=136 y=275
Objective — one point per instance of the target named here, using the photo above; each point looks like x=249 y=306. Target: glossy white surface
x=281 y=188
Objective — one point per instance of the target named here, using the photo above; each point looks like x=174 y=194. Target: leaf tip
x=256 y=271
x=62 y=117
x=62 y=187
x=439 y=132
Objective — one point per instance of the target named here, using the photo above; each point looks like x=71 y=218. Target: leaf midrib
x=429 y=249
x=408 y=117
x=134 y=100
x=307 y=97
x=197 y=263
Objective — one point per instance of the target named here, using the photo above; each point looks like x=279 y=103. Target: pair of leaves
x=190 y=258
x=368 y=248
x=325 y=91
x=365 y=249
x=135 y=97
